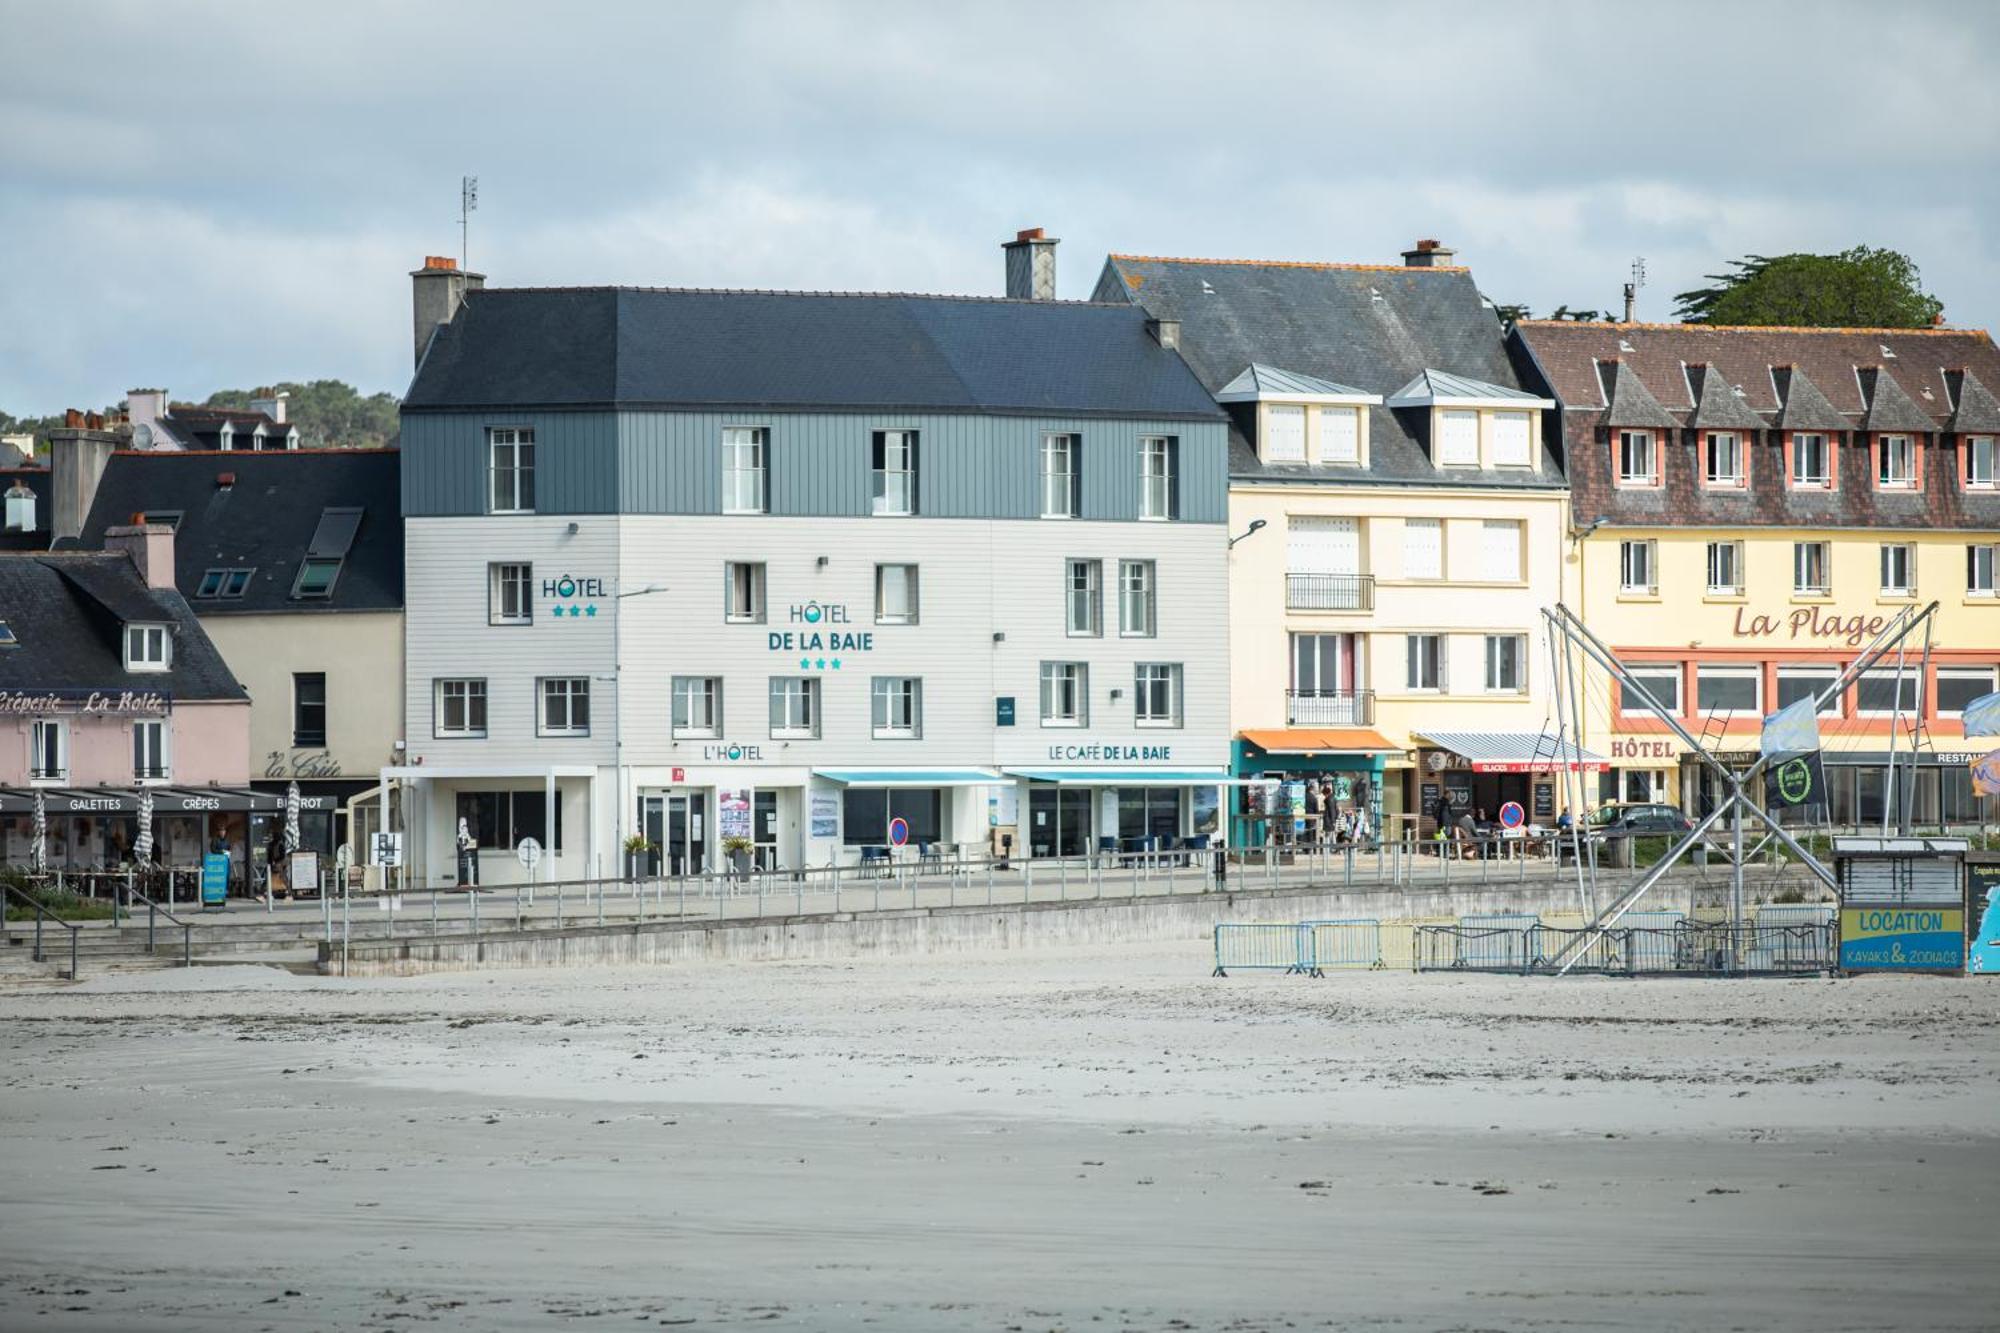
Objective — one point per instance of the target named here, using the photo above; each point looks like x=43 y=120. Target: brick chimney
x=151 y=546
x=1031 y=266
x=1428 y=254
x=77 y=455
x=437 y=290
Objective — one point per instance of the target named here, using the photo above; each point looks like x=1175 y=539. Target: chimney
x=151 y=546
x=1166 y=332
x=437 y=290
x=271 y=403
x=1428 y=254
x=77 y=455
x=1031 y=266
x=145 y=407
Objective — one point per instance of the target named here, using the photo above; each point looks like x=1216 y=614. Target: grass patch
x=63 y=904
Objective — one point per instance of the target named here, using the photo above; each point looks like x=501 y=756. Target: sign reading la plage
x=84 y=701
x=1810 y=622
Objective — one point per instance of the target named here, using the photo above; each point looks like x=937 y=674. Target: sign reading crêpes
x=1811 y=622
x=19 y=702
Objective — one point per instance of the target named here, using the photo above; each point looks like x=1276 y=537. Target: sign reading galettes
x=85 y=701
x=1810 y=622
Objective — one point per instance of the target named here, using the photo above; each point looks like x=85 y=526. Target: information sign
x=386 y=849
x=214 y=879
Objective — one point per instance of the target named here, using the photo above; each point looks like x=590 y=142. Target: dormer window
x=1895 y=463
x=1284 y=433
x=148 y=648
x=227 y=437
x=1638 y=458
x=1512 y=440
x=1340 y=434
x=1458 y=438
x=1812 y=461
x=1979 y=463
x=1722 y=460
x=20 y=508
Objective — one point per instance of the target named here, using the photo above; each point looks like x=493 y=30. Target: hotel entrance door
x=676 y=824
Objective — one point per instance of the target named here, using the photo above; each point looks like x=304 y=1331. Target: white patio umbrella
x=38 y=842
x=142 y=846
x=291 y=818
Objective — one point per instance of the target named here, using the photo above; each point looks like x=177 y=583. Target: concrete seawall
x=951 y=929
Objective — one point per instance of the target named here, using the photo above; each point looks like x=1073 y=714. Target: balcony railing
x=1329 y=592
x=1329 y=708
x=149 y=772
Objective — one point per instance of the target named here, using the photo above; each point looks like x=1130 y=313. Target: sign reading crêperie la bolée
x=20 y=702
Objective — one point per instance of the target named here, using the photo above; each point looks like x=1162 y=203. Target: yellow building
x=1751 y=508
x=1398 y=526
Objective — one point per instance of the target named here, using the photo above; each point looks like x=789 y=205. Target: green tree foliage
x=1858 y=288
x=330 y=414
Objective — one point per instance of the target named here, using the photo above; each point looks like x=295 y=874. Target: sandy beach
x=1102 y=1138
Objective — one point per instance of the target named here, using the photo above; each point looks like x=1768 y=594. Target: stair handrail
x=41 y=912
x=154 y=910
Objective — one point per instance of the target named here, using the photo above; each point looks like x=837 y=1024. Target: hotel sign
x=22 y=702
x=1810 y=622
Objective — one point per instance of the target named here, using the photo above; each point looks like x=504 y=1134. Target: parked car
x=1628 y=818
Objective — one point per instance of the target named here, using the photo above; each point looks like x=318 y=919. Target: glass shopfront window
x=1059 y=821
x=867 y=811
x=1149 y=812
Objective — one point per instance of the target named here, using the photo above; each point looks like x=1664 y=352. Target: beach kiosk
x=1902 y=903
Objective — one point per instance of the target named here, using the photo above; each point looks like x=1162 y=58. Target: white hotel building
x=863 y=568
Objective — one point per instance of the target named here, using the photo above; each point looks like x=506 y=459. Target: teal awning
x=910 y=777
x=1126 y=777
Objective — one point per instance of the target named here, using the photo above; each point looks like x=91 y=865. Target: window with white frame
x=897 y=707
x=1157 y=694
x=510 y=470
x=1506 y=663
x=1083 y=597
x=48 y=750
x=148 y=648
x=1339 y=435
x=1899 y=569
x=1458 y=438
x=1500 y=550
x=1065 y=694
x=565 y=706
x=1284 y=433
x=1812 y=460
x=1808 y=681
x=1720 y=688
x=1812 y=569
x=1423 y=548
x=510 y=594
x=746 y=452
x=1512 y=440
x=1423 y=660
x=1959 y=686
x=1662 y=680
x=895 y=472
x=1979 y=462
x=1157 y=498
x=459 y=707
x=1638 y=458
x=1896 y=463
x=1062 y=480
x=1886 y=691
x=1980 y=561
x=794 y=707
x=743 y=592
x=1722 y=458
x=697 y=707
x=1138 y=599
x=896 y=595
x=149 y=750
x=1637 y=571
x=1725 y=569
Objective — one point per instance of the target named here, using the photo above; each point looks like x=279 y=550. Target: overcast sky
x=223 y=195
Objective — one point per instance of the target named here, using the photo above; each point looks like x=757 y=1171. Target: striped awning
x=1513 y=751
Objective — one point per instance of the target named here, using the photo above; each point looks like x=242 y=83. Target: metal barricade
x=1261 y=946
x=1497 y=943
x=1354 y=943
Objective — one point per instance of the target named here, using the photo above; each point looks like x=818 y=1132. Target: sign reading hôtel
x=85 y=701
x=812 y=639
x=1810 y=622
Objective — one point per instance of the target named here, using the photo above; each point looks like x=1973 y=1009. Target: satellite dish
x=142 y=437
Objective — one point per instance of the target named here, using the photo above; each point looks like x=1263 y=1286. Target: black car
x=1627 y=818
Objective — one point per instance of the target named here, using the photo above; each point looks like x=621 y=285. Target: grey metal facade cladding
x=670 y=462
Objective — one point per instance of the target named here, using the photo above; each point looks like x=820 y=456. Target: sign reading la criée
x=1809 y=622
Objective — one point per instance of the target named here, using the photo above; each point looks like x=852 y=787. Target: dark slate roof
x=1889 y=408
x=265 y=520
x=646 y=347
x=1694 y=370
x=1372 y=326
x=1804 y=407
x=1629 y=402
x=68 y=611
x=1974 y=407
x=38 y=480
x=1718 y=406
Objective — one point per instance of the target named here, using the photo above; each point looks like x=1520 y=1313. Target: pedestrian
x=274 y=862
x=1466 y=830
x=1315 y=815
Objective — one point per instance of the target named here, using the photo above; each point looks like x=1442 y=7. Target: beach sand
x=1100 y=1138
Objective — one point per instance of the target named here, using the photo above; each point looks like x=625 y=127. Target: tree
x=1858 y=288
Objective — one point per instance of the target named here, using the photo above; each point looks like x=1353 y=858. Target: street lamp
x=1257 y=525
x=618 y=708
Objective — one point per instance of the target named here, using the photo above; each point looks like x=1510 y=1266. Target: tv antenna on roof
x=1632 y=287
x=468 y=204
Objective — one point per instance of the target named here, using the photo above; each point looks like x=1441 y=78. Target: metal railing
x=1687 y=948
x=1329 y=592
x=153 y=913
x=1329 y=708
x=41 y=914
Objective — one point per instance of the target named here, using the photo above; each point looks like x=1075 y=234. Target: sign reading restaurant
x=84 y=701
